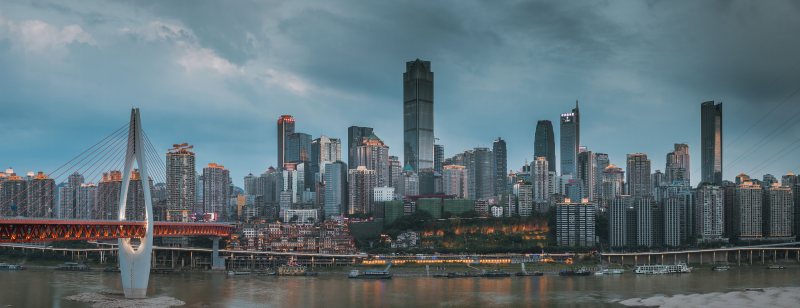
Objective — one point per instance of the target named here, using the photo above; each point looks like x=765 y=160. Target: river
x=48 y=288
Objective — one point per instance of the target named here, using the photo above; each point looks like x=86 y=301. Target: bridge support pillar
x=217 y=263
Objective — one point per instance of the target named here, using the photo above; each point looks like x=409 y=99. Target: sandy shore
x=117 y=300
x=769 y=297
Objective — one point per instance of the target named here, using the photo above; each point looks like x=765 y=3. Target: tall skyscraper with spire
x=285 y=128
x=570 y=140
x=711 y=142
x=418 y=115
x=544 y=143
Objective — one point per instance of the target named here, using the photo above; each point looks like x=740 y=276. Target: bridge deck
x=41 y=230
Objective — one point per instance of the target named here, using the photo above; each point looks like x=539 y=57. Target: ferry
x=371 y=274
x=720 y=268
x=662 y=269
x=10 y=267
x=238 y=273
x=776 y=267
x=72 y=266
x=292 y=268
x=609 y=271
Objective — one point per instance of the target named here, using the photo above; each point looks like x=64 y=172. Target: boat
x=663 y=269
x=776 y=267
x=495 y=273
x=11 y=267
x=610 y=271
x=238 y=273
x=578 y=272
x=524 y=272
x=72 y=266
x=371 y=274
x=292 y=268
x=720 y=268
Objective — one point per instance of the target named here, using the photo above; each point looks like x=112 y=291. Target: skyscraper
x=438 y=157
x=355 y=135
x=335 y=188
x=456 y=181
x=709 y=213
x=326 y=150
x=601 y=161
x=216 y=181
x=396 y=174
x=41 y=196
x=747 y=212
x=482 y=174
x=181 y=181
x=540 y=177
x=373 y=154
x=500 y=166
x=570 y=140
x=613 y=183
x=638 y=176
x=418 y=115
x=677 y=168
x=711 y=142
x=360 y=182
x=544 y=143
x=285 y=128
x=585 y=169
x=778 y=211
x=297 y=148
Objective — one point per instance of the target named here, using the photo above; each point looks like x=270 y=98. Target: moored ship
x=663 y=269
x=371 y=274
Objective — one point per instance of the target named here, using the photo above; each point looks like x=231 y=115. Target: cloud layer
x=219 y=74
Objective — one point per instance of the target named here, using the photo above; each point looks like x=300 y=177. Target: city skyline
x=230 y=120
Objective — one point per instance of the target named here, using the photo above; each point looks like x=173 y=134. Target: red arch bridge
x=45 y=230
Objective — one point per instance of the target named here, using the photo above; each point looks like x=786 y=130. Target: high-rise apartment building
x=585 y=173
x=540 y=178
x=181 y=189
x=673 y=221
x=711 y=142
x=418 y=115
x=570 y=140
x=778 y=211
x=575 y=224
x=747 y=212
x=601 y=161
x=544 y=143
x=285 y=128
x=709 y=217
x=216 y=182
x=638 y=175
x=360 y=182
x=622 y=222
x=613 y=183
x=678 y=165
x=41 y=196
x=456 y=182
x=524 y=192
x=396 y=174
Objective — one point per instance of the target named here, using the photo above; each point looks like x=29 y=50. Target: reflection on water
x=46 y=288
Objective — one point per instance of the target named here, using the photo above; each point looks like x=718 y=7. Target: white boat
x=10 y=267
x=662 y=269
x=610 y=271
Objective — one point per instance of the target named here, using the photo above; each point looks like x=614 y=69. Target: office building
x=601 y=161
x=373 y=154
x=335 y=188
x=355 y=137
x=711 y=142
x=418 y=115
x=438 y=157
x=570 y=140
x=396 y=174
x=585 y=173
x=285 y=128
x=613 y=183
x=544 y=143
x=500 y=167
x=298 y=148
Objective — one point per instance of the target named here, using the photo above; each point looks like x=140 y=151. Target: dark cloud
x=640 y=70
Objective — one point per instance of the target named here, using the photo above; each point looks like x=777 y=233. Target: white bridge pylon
x=134 y=264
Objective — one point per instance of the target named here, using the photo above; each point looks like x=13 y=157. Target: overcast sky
x=217 y=74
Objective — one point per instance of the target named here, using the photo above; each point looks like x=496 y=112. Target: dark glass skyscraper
x=418 y=115
x=285 y=128
x=355 y=134
x=711 y=142
x=544 y=143
x=438 y=157
x=500 y=166
x=570 y=140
